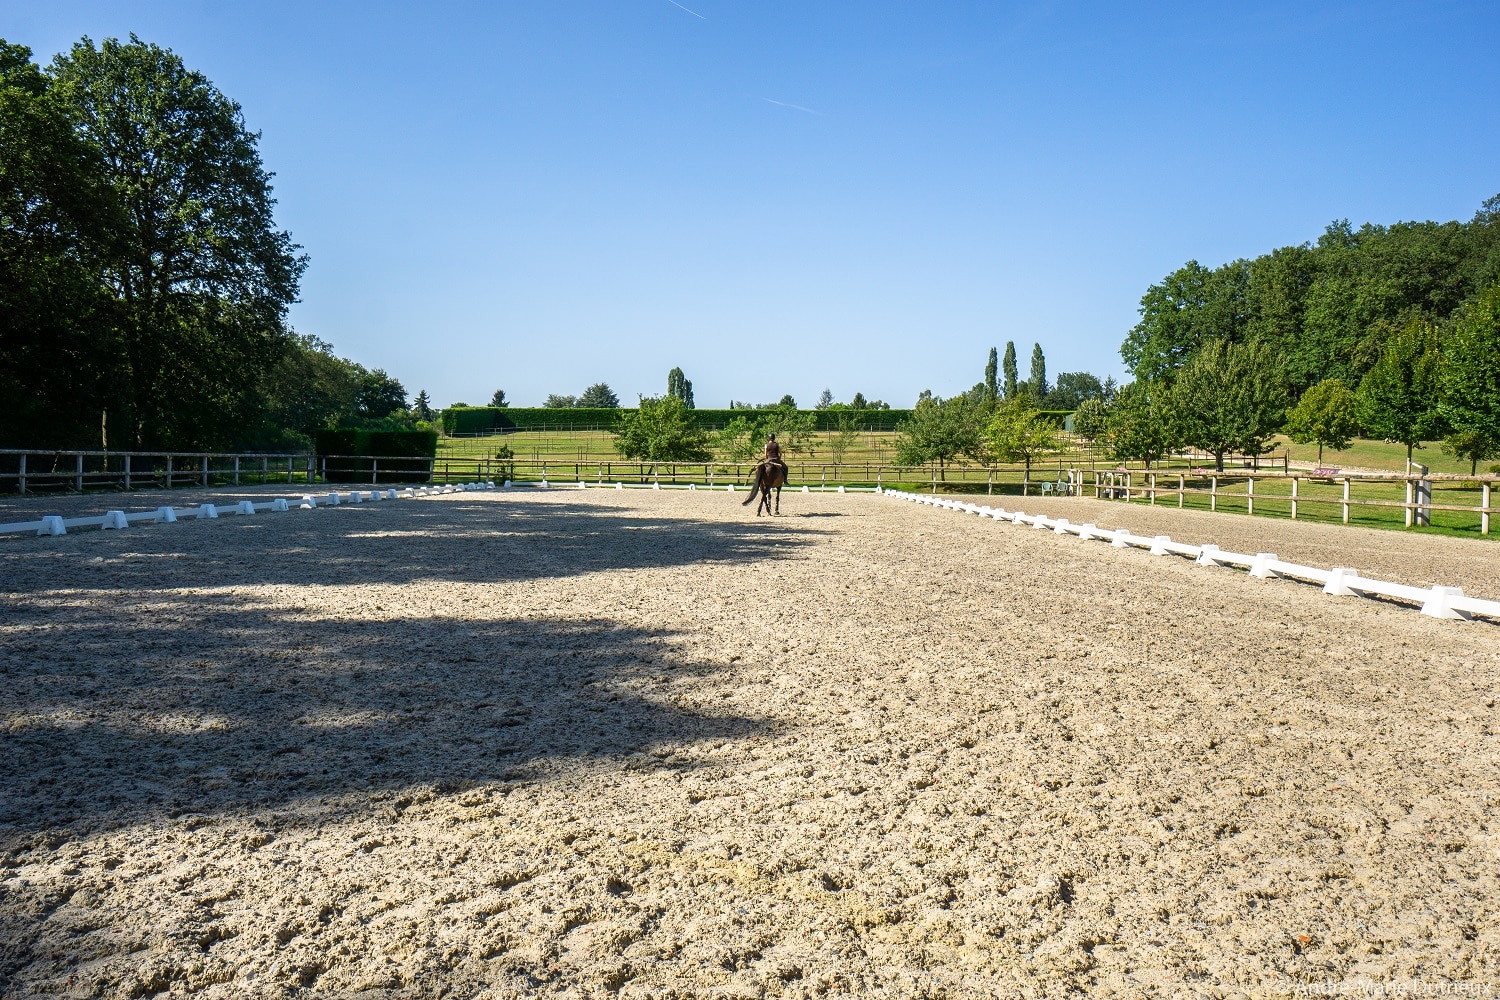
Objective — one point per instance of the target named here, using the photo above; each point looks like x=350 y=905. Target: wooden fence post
x=80 y=473
x=1250 y=495
x=1484 y=509
x=21 y=477
x=1213 y=493
x=1294 y=498
x=1151 y=490
x=127 y=472
x=1181 y=488
x=1408 y=503
x=1346 y=499
x=236 y=470
x=205 y=470
x=169 y=472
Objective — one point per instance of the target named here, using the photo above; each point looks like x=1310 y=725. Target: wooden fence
x=31 y=471
x=1294 y=492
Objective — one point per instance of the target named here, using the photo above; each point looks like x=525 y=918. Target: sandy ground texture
x=641 y=744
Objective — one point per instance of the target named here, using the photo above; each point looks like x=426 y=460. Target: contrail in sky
x=699 y=16
x=794 y=107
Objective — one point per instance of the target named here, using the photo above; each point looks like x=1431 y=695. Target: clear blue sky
x=783 y=196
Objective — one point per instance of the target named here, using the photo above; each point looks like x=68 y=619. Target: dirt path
x=581 y=743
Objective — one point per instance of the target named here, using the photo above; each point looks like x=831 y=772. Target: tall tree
x=600 y=396
x=825 y=400
x=940 y=430
x=1072 y=389
x=1142 y=424
x=1012 y=375
x=1229 y=397
x=661 y=429
x=1400 y=396
x=1038 y=381
x=1471 y=372
x=1018 y=432
x=421 y=407
x=1327 y=415
x=679 y=387
x=498 y=399
x=556 y=401
x=58 y=345
x=201 y=275
x=992 y=374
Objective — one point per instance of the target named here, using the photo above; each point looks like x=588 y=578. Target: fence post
x=236 y=470
x=127 y=471
x=1484 y=509
x=1408 y=503
x=265 y=469
x=21 y=478
x=169 y=472
x=1250 y=495
x=1181 y=488
x=1213 y=493
x=1151 y=492
x=205 y=470
x=80 y=473
x=1346 y=499
x=374 y=470
x=1294 y=498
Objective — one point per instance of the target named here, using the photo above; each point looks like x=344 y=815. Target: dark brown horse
x=767 y=476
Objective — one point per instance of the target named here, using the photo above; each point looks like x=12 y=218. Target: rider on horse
x=773 y=455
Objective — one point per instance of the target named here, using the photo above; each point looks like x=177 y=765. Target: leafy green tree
x=739 y=440
x=787 y=401
x=844 y=435
x=1190 y=306
x=498 y=399
x=992 y=375
x=1019 y=432
x=940 y=430
x=1400 y=396
x=1470 y=373
x=1091 y=419
x=1229 y=397
x=793 y=428
x=379 y=395
x=558 y=402
x=1327 y=414
x=1037 y=384
x=1142 y=423
x=825 y=400
x=1472 y=447
x=679 y=387
x=421 y=407
x=1072 y=389
x=599 y=396
x=1012 y=374
x=858 y=402
x=59 y=377
x=200 y=275
x=661 y=429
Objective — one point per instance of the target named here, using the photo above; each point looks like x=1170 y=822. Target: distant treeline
x=492 y=419
x=1325 y=310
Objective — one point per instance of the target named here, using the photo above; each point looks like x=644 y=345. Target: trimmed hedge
x=474 y=420
x=336 y=446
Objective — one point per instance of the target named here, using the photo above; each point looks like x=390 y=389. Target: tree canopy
x=661 y=430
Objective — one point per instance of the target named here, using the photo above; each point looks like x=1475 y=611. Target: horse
x=768 y=476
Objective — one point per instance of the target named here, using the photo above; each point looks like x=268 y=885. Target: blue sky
x=780 y=196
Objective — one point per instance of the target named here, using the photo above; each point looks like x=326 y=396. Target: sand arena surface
x=639 y=743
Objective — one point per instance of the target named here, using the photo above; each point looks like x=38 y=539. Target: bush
x=490 y=419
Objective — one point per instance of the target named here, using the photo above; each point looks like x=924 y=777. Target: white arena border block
x=1341 y=581
x=117 y=520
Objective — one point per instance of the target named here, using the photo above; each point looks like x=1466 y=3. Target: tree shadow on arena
x=493 y=539
x=224 y=705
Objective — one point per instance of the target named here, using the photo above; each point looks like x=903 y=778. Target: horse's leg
x=778 y=501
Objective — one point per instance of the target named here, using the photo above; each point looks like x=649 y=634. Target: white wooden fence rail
x=1436 y=601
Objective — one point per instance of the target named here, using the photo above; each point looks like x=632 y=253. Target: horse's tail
x=754 y=488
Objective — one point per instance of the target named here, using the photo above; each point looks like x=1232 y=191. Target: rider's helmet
x=773 y=437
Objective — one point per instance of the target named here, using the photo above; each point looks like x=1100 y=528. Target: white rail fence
x=54 y=524
x=1436 y=601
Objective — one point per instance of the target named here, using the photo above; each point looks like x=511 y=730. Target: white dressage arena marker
x=245 y=507
x=166 y=515
x=207 y=510
x=114 y=519
x=1338 y=582
x=52 y=524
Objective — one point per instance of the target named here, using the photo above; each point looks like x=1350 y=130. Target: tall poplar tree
x=1012 y=375
x=992 y=375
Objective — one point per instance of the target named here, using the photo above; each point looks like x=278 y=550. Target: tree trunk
x=1218 y=461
